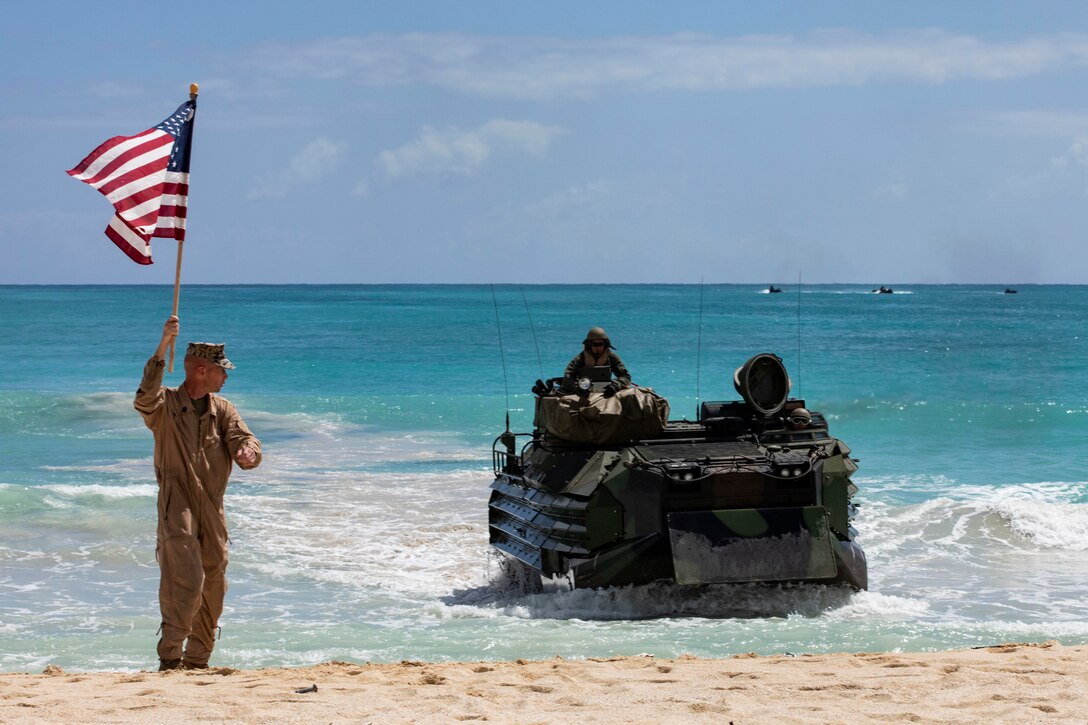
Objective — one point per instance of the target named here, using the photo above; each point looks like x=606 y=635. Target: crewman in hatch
x=798 y=419
x=597 y=352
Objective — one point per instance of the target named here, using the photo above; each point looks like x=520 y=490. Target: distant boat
x=1010 y=291
x=773 y=290
x=882 y=290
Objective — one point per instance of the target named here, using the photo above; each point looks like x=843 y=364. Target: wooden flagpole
x=177 y=292
x=194 y=89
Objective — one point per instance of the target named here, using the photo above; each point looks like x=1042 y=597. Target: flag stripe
x=152 y=157
x=175 y=201
x=170 y=214
x=144 y=215
x=129 y=241
x=106 y=165
x=139 y=203
x=176 y=184
x=141 y=177
x=106 y=152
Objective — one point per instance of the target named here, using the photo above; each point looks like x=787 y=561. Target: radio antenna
x=798 y=334
x=539 y=363
x=699 y=345
x=502 y=354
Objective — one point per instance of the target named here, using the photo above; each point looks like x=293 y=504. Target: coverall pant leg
x=180 y=583
x=181 y=573
x=198 y=650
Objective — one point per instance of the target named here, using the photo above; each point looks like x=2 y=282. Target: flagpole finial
x=194 y=88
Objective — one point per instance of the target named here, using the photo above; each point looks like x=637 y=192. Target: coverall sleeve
x=149 y=396
x=237 y=434
x=620 y=370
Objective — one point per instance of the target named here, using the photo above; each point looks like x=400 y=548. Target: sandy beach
x=1008 y=683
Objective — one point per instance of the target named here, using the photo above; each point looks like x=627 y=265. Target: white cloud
x=318 y=158
x=1069 y=167
x=465 y=151
x=572 y=196
x=1064 y=171
x=1076 y=155
x=546 y=67
x=893 y=190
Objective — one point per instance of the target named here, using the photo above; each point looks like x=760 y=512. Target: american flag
x=146 y=178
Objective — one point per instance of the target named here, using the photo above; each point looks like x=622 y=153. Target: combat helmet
x=799 y=416
x=597 y=333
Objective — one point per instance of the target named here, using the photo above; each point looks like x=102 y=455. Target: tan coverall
x=193 y=459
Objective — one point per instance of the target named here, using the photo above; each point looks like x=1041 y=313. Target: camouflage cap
x=210 y=351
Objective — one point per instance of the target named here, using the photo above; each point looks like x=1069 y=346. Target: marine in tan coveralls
x=198 y=436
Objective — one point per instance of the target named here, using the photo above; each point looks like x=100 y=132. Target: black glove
x=610 y=390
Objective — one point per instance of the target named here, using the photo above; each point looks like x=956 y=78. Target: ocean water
x=363 y=535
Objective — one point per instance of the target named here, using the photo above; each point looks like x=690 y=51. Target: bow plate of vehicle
x=756 y=490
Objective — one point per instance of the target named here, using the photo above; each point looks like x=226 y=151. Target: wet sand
x=1014 y=683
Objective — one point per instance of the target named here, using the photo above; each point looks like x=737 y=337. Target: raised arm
x=169 y=334
x=149 y=396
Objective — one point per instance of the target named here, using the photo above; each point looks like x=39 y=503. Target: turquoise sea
x=363 y=535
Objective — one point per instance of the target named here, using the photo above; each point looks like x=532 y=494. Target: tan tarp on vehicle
x=631 y=414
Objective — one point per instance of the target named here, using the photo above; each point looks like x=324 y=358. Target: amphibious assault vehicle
x=606 y=491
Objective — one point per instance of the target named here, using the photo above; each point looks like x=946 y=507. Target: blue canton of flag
x=177 y=126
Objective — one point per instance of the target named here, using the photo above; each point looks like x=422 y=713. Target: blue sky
x=871 y=143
